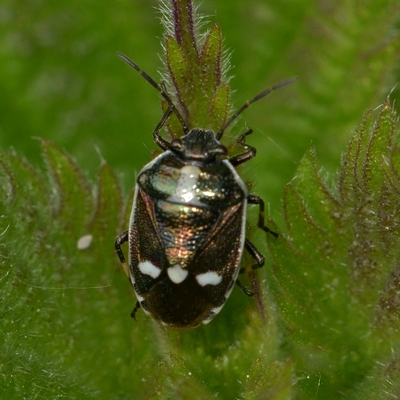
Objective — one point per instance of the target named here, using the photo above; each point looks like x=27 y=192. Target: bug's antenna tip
x=285 y=83
x=133 y=65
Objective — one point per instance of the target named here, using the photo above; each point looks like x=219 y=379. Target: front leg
x=248 y=154
x=156 y=133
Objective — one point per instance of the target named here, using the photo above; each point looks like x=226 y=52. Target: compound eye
x=176 y=144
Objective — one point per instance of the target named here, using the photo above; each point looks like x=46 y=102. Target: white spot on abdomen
x=177 y=274
x=209 y=278
x=147 y=268
x=185 y=191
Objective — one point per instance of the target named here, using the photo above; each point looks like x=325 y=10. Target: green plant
x=326 y=326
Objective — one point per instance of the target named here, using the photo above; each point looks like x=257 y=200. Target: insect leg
x=248 y=154
x=259 y=201
x=255 y=253
x=121 y=239
x=133 y=313
x=259 y=258
x=165 y=145
x=244 y=289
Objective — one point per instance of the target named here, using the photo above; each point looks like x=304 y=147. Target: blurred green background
x=61 y=80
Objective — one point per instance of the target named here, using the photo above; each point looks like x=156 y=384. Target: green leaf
x=336 y=268
x=210 y=59
x=195 y=70
x=219 y=106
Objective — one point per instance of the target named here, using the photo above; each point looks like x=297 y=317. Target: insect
x=187 y=228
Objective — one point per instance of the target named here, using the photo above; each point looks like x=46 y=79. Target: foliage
x=326 y=325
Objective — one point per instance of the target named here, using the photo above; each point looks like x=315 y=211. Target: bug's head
x=198 y=144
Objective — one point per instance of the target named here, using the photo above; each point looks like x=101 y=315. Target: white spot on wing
x=177 y=274
x=187 y=184
x=209 y=278
x=147 y=268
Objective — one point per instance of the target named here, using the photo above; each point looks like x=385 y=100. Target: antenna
x=159 y=86
x=253 y=100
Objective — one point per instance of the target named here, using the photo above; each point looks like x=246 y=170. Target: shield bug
x=187 y=228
